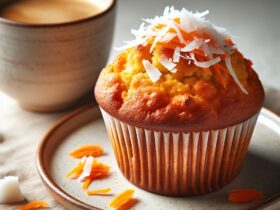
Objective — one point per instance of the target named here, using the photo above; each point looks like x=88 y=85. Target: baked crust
x=192 y=99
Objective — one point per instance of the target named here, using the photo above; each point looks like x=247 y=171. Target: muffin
x=180 y=103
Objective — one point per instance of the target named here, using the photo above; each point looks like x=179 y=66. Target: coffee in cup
x=49 y=11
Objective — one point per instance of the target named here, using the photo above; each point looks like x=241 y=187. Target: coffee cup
x=48 y=65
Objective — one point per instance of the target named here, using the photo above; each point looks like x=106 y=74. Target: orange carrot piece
x=87 y=183
x=77 y=171
x=244 y=195
x=98 y=166
x=122 y=198
x=98 y=171
x=98 y=175
x=170 y=45
x=188 y=36
x=229 y=41
x=128 y=205
x=199 y=54
x=99 y=191
x=34 y=205
x=87 y=150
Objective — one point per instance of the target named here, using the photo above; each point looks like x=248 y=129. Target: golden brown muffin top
x=194 y=81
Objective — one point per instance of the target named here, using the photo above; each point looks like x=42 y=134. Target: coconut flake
x=166 y=11
x=202 y=14
x=9 y=190
x=220 y=29
x=86 y=169
x=166 y=62
x=232 y=73
x=157 y=39
x=205 y=64
x=151 y=70
x=140 y=31
x=172 y=24
x=83 y=159
x=195 y=44
x=167 y=37
x=176 y=55
x=184 y=22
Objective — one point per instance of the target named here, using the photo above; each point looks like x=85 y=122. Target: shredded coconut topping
x=167 y=62
x=192 y=37
x=151 y=70
x=231 y=71
x=205 y=64
x=86 y=169
x=176 y=55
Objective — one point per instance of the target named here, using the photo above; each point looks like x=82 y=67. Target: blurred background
x=255 y=23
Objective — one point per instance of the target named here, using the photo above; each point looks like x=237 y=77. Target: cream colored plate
x=261 y=170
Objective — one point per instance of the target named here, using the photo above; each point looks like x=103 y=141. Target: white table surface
x=256 y=22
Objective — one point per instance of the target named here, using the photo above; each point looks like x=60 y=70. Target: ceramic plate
x=85 y=126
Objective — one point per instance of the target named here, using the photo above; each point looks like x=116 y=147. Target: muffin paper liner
x=179 y=163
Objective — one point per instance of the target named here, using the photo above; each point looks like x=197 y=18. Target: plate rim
x=59 y=194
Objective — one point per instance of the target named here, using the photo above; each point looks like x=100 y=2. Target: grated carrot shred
x=244 y=195
x=99 y=191
x=77 y=171
x=122 y=198
x=171 y=45
x=87 y=150
x=98 y=171
x=128 y=205
x=200 y=55
x=86 y=183
x=34 y=205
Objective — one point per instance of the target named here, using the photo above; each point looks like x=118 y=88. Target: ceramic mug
x=47 y=67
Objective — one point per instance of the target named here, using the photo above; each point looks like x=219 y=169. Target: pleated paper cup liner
x=179 y=163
